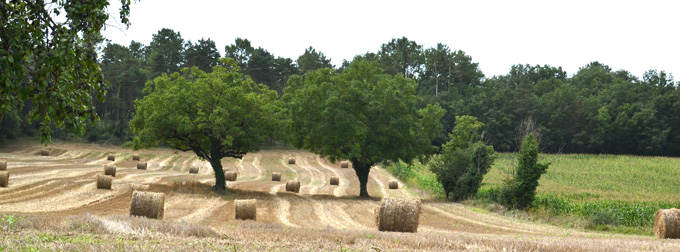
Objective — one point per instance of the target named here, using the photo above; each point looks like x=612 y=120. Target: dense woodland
x=595 y=110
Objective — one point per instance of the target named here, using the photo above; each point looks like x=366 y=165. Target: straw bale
x=293 y=186
x=398 y=215
x=344 y=164
x=667 y=223
x=230 y=176
x=44 y=152
x=110 y=170
x=394 y=184
x=246 y=209
x=4 y=179
x=135 y=157
x=147 y=204
x=3 y=165
x=111 y=157
x=276 y=176
x=291 y=161
x=193 y=170
x=335 y=181
x=141 y=165
x=104 y=182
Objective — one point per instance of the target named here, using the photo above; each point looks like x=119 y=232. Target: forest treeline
x=595 y=110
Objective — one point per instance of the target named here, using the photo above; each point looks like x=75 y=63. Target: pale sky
x=632 y=35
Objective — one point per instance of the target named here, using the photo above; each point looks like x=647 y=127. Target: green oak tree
x=48 y=59
x=215 y=115
x=361 y=115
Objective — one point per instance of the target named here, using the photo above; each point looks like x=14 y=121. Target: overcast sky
x=632 y=35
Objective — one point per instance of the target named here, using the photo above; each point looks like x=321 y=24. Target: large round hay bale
x=667 y=223
x=398 y=215
x=3 y=165
x=104 y=182
x=344 y=164
x=147 y=204
x=335 y=181
x=230 y=176
x=135 y=157
x=193 y=170
x=291 y=161
x=44 y=152
x=394 y=184
x=110 y=170
x=246 y=209
x=111 y=157
x=293 y=186
x=4 y=179
x=141 y=165
x=276 y=176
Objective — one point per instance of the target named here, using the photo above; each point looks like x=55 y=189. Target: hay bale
x=104 y=181
x=139 y=187
x=111 y=157
x=344 y=164
x=293 y=186
x=135 y=157
x=667 y=223
x=398 y=215
x=110 y=170
x=335 y=181
x=246 y=209
x=3 y=165
x=230 y=176
x=394 y=184
x=276 y=176
x=147 y=204
x=4 y=179
x=44 y=152
x=193 y=170
x=141 y=165
x=291 y=161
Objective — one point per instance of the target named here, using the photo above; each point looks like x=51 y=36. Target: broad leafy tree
x=360 y=115
x=48 y=58
x=215 y=115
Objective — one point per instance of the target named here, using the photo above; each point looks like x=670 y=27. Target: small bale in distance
x=293 y=186
x=104 y=182
x=135 y=157
x=667 y=223
x=193 y=170
x=394 y=184
x=246 y=209
x=147 y=204
x=276 y=176
x=344 y=164
x=44 y=152
x=111 y=157
x=138 y=187
x=398 y=215
x=141 y=165
x=110 y=170
x=335 y=181
x=230 y=176
x=3 y=165
x=4 y=179
x=291 y=161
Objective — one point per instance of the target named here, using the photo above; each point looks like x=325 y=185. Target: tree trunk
x=362 y=171
x=220 y=184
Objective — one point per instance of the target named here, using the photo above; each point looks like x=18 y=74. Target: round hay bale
x=110 y=170
x=44 y=152
x=135 y=157
x=394 y=184
x=111 y=157
x=276 y=176
x=246 y=209
x=4 y=179
x=667 y=223
x=141 y=165
x=147 y=204
x=139 y=187
x=344 y=164
x=3 y=165
x=335 y=181
x=398 y=215
x=193 y=170
x=291 y=161
x=104 y=182
x=230 y=176
x=293 y=186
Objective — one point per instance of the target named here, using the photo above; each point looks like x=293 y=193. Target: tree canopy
x=361 y=115
x=215 y=115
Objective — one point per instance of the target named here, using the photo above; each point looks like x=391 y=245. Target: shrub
x=519 y=192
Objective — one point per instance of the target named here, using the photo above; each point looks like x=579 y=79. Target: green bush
x=520 y=191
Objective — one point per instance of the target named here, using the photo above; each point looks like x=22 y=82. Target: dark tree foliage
x=312 y=60
x=202 y=54
x=519 y=192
